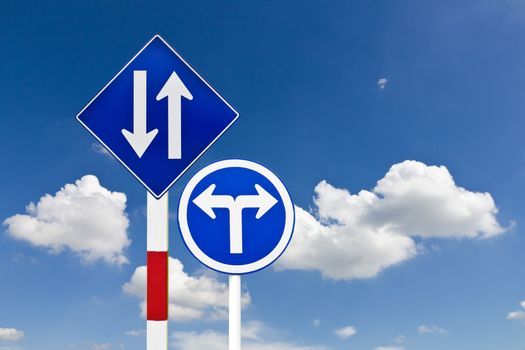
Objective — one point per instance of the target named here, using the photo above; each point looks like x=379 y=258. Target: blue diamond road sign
x=157 y=116
x=236 y=216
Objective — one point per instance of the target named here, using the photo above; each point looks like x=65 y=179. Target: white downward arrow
x=174 y=89
x=139 y=139
x=207 y=201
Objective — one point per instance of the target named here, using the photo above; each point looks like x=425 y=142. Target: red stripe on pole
x=157 y=293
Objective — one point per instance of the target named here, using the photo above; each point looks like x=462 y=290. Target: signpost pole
x=235 y=312
x=157 y=272
x=126 y=120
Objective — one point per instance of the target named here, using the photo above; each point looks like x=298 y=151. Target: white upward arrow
x=174 y=89
x=207 y=201
x=139 y=139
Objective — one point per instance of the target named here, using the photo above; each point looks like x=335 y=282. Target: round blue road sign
x=236 y=216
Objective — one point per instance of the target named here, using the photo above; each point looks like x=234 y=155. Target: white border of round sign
x=227 y=268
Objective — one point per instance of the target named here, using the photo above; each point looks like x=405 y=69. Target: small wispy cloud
x=422 y=329
x=21 y=258
x=96 y=300
x=346 y=332
x=135 y=332
x=103 y=346
x=98 y=148
x=255 y=337
x=316 y=323
x=11 y=334
x=518 y=315
x=399 y=339
x=381 y=83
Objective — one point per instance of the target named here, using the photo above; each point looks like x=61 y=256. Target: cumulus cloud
x=343 y=252
x=381 y=83
x=11 y=334
x=422 y=329
x=212 y=340
x=190 y=297
x=346 y=332
x=84 y=217
x=518 y=315
x=348 y=236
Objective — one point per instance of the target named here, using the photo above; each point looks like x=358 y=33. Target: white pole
x=157 y=284
x=235 y=312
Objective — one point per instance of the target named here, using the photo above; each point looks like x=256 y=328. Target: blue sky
x=304 y=77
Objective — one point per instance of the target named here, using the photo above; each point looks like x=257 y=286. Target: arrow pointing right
x=139 y=139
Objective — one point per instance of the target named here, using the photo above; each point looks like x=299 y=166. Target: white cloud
x=190 y=297
x=209 y=340
x=20 y=258
x=343 y=252
x=212 y=340
x=381 y=83
x=422 y=329
x=389 y=348
x=96 y=300
x=517 y=315
x=135 y=332
x=252 y=330
x=104 y=346
x=11 y=334
x=399 y=339
x=84 y=217
x=346 y=332
x=316 y=323
x=358 y=235
x=425 y=201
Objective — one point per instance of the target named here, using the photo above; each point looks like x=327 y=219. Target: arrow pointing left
x=139 y=139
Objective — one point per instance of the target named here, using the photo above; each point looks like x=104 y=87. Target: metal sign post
x=236 y=217
x=234 y=312
x=157 y=271
x=157 y=116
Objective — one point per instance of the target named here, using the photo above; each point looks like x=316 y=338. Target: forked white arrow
x=139 y=139
x=207 y=201
x=174 y=90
